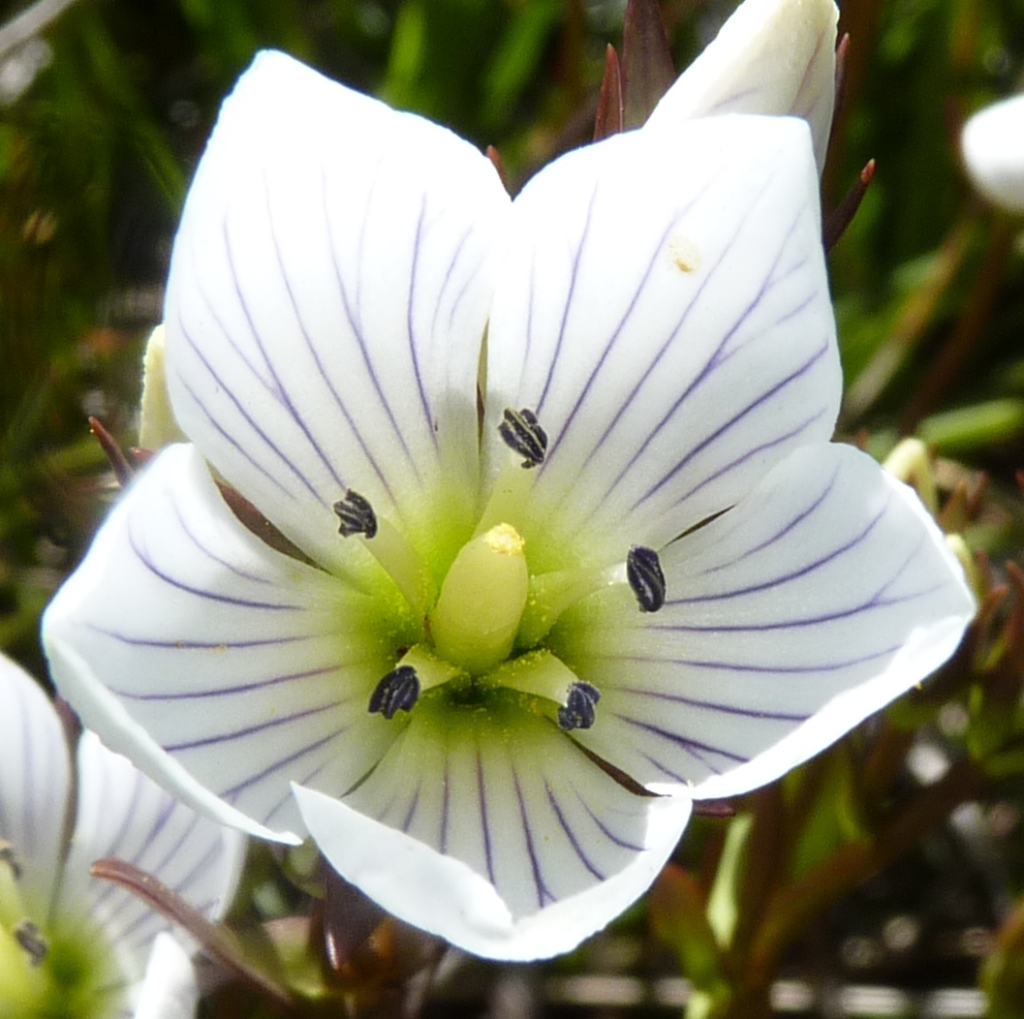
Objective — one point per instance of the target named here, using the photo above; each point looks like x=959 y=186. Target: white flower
x=657 y=305
x=993 y=148
x=771 y=57
x=72 y=945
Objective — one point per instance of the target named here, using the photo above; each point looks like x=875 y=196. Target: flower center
x=64 y=972
x=487 y=625
x=477 y=614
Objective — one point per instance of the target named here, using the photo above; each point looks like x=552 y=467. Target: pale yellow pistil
x=476 y=618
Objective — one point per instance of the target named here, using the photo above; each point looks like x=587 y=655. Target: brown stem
x=963 y=343
x=911 y=325
x=217 y=941
x=859 y=20
x=122 y=467
x=793 y=907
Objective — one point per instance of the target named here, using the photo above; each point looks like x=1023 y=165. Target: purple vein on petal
x=413 y=806
x=275 y=391
x=265 y=376
x=445 y=805
x=231 y=794
x=786 y=624
x=645 y=279
x=354 y=319
x=727 y=103
x=225 y=691
x=138 y=785
x=199 y=645
x=481 y=793
x=448 y=276
x=410 y=329
x=544 y=895
x=29 y=779
x=226 y=435
x=573 y=279
x=750 y=453
x=727 y=709
x=875 y=602
x=155 y=867
x=675 y=775
x=693 y=747
x=314 y=354
x=571 y=835
x=251 y=730
x=759 y=401
x=182 y=884
x=769 y=670
x=143 y=558
x=709 y=366
x=606 y=831
x=283 y=395
x=810 y=567
x=231 y=567
x=785 y=529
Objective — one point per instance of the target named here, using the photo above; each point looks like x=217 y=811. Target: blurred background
x=104 y=109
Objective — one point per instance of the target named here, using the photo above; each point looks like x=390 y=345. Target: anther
x=356 y=515
x=579 y=709
x=28 y=935
x=523 y=435
x=9 y=857
x=643 y=571
x=397 y=691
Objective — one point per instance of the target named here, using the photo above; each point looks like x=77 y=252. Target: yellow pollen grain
x=683 y=254
x=505 y=540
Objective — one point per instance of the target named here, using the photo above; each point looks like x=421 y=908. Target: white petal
x=993 y=147
x=157 y=426
x=810 y=605
x=327 y=300
x=772 y=57
x=34 y=782
x=223 y=669
x=123 y=814
x=170 y=990
x=665 y=311
x=496 y=833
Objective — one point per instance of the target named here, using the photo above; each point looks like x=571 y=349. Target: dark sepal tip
x=643 y=570
x=399 y=690
x=579 y=710
x=356 y=515
x=520 y=431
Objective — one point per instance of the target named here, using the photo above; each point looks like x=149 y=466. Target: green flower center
x=487 y=626
x=62 y=969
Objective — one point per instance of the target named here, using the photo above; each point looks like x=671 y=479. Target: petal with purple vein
x=512 y=844
x=123 y=814
x=822 y=596
x=221 y=667
x=664 y=310
x=327 y=300
x=34 y=781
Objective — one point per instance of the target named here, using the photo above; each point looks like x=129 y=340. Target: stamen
x=521 y=433
x=552 y=593
x=541 y=674
x=579 y=709
x=399 y=690
x=28 y=935
x=356 y=515
x=643 y=571
x=10 y=858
